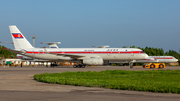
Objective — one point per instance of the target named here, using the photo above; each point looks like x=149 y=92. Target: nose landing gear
x=131 y=63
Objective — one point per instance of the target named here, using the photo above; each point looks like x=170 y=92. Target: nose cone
x=146 y=56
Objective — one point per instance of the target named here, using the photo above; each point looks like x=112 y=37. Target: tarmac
x=17 y=84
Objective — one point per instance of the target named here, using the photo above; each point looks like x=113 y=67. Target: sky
x=87 y=23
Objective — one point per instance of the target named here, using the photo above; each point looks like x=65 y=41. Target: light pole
x=34 y=37
x=179 y=54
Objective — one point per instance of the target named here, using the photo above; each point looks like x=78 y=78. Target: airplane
x=164 y=59
x=152 y=59
x=85 y=56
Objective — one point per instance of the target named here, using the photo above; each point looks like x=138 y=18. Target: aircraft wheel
x=74 y=66
x=152 y=66
x=161 y=66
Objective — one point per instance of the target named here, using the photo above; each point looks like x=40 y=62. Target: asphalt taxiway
x=17 y=84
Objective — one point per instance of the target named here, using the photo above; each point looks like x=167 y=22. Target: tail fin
x=20 y=42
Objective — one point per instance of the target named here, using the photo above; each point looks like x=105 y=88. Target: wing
x=69 y=55
x=14 y=51
x=65 y=55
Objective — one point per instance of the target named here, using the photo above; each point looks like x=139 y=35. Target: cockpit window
x=141 y=52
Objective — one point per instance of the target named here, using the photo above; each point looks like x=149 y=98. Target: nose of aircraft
x=176 y=59
x=146 y=56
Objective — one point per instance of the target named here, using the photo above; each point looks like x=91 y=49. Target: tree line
x=6 y=54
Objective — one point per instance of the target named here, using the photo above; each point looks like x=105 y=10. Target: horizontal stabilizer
x=14 y=51
x=7 y=42
x=51 y=44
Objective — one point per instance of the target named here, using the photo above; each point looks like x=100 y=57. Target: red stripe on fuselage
x=128 y=52
x=19 y=56
x=164 y=58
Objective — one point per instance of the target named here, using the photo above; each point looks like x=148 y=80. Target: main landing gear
x=53 y=64
x=79 y=66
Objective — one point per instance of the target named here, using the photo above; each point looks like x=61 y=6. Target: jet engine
x=93 y=61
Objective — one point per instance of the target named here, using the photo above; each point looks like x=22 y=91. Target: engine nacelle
x=93 y=61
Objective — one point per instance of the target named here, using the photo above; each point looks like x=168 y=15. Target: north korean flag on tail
x=17 y=35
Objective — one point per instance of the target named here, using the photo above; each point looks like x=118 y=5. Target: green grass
x=165 y=81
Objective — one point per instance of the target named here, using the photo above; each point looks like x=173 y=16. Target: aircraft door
x=33 y=52
x=108 y=53
x=60 y=52
x=61 y=57
x=40 y=51
x=132 y=54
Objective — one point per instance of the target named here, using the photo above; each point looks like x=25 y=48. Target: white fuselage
x=118 y=54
